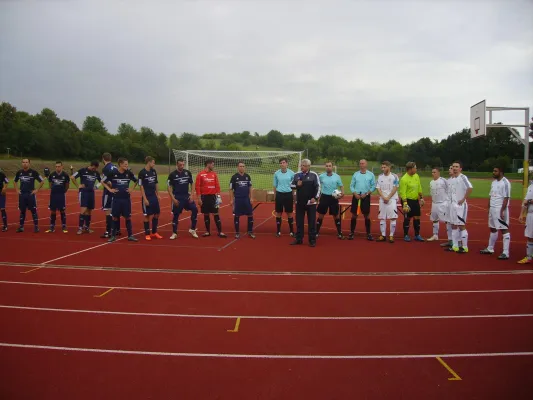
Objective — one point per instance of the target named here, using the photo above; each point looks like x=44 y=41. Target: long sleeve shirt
x=207 y=183
x=309 y=189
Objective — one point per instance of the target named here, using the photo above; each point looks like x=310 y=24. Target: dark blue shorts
x=242 y=206
x=185 y=204
x=107 y=201
x=86 y=200
x=27 y=201
x=153 y=208
x=2 y=202
x=121 y=207
x=57 y=201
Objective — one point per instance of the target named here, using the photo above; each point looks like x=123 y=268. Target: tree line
x=45 y=135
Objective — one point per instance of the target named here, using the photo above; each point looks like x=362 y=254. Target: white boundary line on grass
x=265 y=317
x=266 y=356
x=151 y=289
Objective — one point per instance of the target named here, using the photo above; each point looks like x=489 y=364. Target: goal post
x=260 y=165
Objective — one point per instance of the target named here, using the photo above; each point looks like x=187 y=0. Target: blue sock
x=147 y=228
x=52 y=220
x=194 y=219
x=82 y=221
x=129 y=228
x=22 y=218
x=88 y=220
x=63 y=219
x=250 y=223
x=236 y=222
x=175 y=223
x=35 y=217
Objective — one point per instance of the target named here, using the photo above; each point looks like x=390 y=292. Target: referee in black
x=306 y=189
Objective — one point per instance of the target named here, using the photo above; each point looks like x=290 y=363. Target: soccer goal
x=260 y=165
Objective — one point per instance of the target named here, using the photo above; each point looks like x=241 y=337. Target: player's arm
x=372 y=183
x=352 y=186
x=231 y=189
x=40 y=180
x=275 y=184
x=6 y=182
x=395 y=185
x=217 y=184
x=420 y=193
x=251 y=189
x=135 y=182
x=294 y=186
x=469 y=188
x=198 y=188
x=157 y=187
x=506 y=198
x=73 y=178
x=143 y=193
x=318 y=188
x=15 y=182
x=106 y=184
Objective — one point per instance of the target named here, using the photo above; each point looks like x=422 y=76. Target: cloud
x=371 y=70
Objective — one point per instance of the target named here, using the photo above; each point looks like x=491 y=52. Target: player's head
x=150 y=162
x=498 y=172
x=450 y=170
x=106 y=158
x=180 y=164
x=283 y=163
x=210 y=164
x=123 y=163
x=457 y=167
x=385 y=167
x=329 y=167
x=410 y=167
x=25 y=163
x=241 y=167
x=94 y=165
x=306 y=165
x=59 y=167
x=363 y=164
x=435 y=172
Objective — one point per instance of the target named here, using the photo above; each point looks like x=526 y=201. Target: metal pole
x=526 y=154
x=490 y=116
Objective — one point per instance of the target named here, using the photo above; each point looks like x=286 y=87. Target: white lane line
x=267 y=356
x=270 y=317
x=150 y=289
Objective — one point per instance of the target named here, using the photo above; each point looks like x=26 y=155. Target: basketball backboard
x=478 y=126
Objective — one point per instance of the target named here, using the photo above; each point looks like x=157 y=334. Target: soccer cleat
x=20 y=229
x=503 y=256
x=340 y=236
x=407 y=238
x=87 y=230
x=433 y=238
x=119 y=233
x=111 y=239
x=278 y=234
x=148 y=237
x=419 y=238
x=369 y=237
x=237 y=236
x=381 y=239
x=486 y=251
x=291 y=234
x=51 y=230
x=4 y=229
x=222 y=235
x=296 y=243
x=463 y=250
x=525 y=260
x=251 y=235
x=452 y=249
x=206 y=234
x=351 y=236
x=174 y=236
x=132 y=239
x=65 y=230
x=36 y=229
x=446 y=244
x=105 y=236
x=312 y=244
x=156 y=235
x=80 y=231
x=193 y=233
x=391 y=239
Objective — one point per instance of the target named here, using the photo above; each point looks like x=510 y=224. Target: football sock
x=175 y=222
x=63 y=218
x=194 y=218
x=416 y=225
x=367 y=225
x=236 y=222
x=338 y=225
x=207 y=223
x=383 y=227
x=155 y=223
x=318 y=225
x=436 y=228
x=529 y=249
x=278 y=224
x=506 y=243
x=146 y=228
x=4 y=217
x=456 y=235
x=493 y=237
x=218 y=223
x=464 y=238
x=353 y=224
x=392 y=227
x=129 y=227
x=406 y=223
x=250 y=223
x=291 y=224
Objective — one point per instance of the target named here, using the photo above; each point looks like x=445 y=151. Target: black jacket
x=310 y=187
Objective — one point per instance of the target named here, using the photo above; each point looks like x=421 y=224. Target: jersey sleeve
x=249 y=180
x=466 y=182
x=294 y=181
x=232 y=183
x=37 y=176
x=507 y=190
x=77 y=173
x=420 y=191
x=133 y=177
x=372 y=182
x=339 y=181
x=140 y=177
x=169 y=179
x=17 y=176
x=156 y=177
x=191 y=180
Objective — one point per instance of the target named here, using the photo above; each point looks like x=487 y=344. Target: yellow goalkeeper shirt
x=410 y=187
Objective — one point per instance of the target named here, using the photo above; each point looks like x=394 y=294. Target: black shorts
x=58 y=201
x=327 y=202
x=209 y=204
x=365 y=205
x=414 y=205
x=284 y=202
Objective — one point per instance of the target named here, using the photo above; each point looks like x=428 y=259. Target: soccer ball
x=336 y=194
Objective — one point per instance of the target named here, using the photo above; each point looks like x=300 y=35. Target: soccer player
x=411 y=195
x=150 y=198
x=526 y=215
x=88 y=177
x=27 y=193
x=329 y=181
x=500 y=194
x=59 y=182
x=460 y=190
x=387 y=186
x=446 y=218
x=306 y=189
x=208 y=192
x=439 y=202
x=3 y=195
x=118 y=183
x=240 y=195
x=362 y=185
x=283 y=196
x=181 y=198
x=107 y=197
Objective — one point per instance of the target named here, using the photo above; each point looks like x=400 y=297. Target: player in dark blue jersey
x=88 y=177
x=240 y=193
x=59 y=182
x=3 y=196
x=118 y=183
x=27 y=193
x=150 y=198
x=181 y=198
x=107 y=197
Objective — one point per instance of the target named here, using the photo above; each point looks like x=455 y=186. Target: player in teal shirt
x=329 y=181
x=283 y=178
x=362 y=185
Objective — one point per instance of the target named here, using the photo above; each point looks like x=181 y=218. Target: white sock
x=436 y=228
x=449 y=229
x=506 y=243
x=492 y=240
x=392 y=227
x=529 y=250
x=383 y=227
x=455 y=237
x=464 y=238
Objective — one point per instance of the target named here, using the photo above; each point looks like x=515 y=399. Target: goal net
x=260 y=165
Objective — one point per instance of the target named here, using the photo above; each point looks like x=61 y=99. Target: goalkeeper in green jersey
x=412 y=200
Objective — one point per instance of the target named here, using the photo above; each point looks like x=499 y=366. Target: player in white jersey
x=460 y=190
x=446 y=219
x=526 y=216
x=439 y=201
x=500 y=194
x=387 y=186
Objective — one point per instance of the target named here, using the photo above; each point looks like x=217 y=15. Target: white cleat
x=193 y=233
x=174 y=236
x=433 y=238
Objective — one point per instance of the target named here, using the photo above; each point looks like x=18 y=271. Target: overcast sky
x=372 y=70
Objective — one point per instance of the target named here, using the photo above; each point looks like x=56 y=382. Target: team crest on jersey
x=186 y=174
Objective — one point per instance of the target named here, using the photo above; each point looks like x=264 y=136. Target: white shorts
x=389 y=210
x=439 y=211
x=529 y=226
x=458 y=214
x=495 y=222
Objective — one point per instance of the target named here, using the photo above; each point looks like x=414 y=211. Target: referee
x=306 y=189
x=284 y=202
x=412 y=199
x=362 y=185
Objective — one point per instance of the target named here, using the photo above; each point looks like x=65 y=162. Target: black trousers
x=311 y=223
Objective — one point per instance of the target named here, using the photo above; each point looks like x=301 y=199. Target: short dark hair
x=209 y=161
x=106 y=157
x=410 y=165
x=240 y=162
x=180 y=160
x=148 y=159
x=386 y=163
x=59 y=162
x=122 y=160
x=95 y=163
x=500 y=168
x=437 y=168
x=458 y=162
x=328 y=162
x=26 y=158
x=283 y=159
